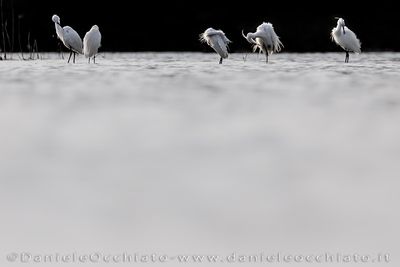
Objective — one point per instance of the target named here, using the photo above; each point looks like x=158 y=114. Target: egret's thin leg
x=70 y=55
x=94 y=59
x=245 y=57
x=347 y=57
x=220 y=60
x=265 y=50
x=89 y=60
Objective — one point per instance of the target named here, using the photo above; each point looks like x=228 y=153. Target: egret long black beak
x=344 y=32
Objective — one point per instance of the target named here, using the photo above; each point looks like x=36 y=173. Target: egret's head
x=95 y=27
x=340 y=22
x=56 y=19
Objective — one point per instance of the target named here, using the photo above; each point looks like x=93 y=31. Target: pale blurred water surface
x=173 y=153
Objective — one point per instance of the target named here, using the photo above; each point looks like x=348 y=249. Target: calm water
x=173 y=153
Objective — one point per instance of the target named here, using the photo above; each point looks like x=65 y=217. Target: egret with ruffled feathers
x=265 y=39
x=217 y=40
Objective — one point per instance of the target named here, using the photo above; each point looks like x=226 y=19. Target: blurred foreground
x=175 y=154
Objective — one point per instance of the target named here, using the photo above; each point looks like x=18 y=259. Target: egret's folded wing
x=221 y=48
x=91 y=43
x=351 y=41
x=72 y=39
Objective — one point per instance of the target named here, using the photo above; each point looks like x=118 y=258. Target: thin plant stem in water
x=3 y=29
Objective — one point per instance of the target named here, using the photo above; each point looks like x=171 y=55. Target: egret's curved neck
x=59 y=30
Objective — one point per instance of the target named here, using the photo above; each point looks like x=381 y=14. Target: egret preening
x=347 y=39
x=217 y=40
x=69 y=37
x=265 y=39
x=91 y=43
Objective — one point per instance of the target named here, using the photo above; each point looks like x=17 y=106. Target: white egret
x=91 y=43
x=265 y=39
x=69 y=37
x=217 y=40
x=345 y=38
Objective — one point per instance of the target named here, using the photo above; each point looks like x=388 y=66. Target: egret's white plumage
x=69 y=37
x=91 y=43
x=217 y=40
x=345 y=38
x=265 y=39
